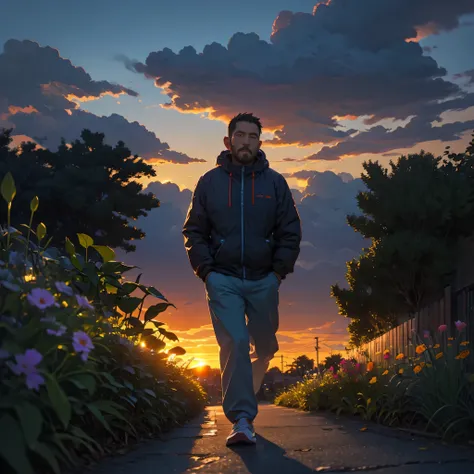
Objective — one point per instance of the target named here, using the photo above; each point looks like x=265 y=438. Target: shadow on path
x=267 y=457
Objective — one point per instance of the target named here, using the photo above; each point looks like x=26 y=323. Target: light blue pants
x=243 y=311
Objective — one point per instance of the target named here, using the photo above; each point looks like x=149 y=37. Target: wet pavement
x=290 y=441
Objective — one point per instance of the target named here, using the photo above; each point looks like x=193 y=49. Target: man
x=242 y=234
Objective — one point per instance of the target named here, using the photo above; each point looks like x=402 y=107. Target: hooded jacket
x=242 y=221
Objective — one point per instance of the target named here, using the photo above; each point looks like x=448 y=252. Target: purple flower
x=426 y=334
x=64 y=288
x=26 y=364
x=57 y=332
x=83 y=302
x=40 y=298
x=82 y=344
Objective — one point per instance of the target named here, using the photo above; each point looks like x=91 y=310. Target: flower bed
x=433 y=392
x=82 y=366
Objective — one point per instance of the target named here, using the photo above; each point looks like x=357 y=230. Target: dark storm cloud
x=39 y=96
x=348 y=58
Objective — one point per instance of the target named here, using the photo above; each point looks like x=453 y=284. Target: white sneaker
x=242 y=433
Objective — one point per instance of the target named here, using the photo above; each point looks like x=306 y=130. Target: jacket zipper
x=242 y=220
x=219 y=248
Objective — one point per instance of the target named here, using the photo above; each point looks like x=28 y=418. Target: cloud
x=40 y=97
x=335 y=62
x=469 y=75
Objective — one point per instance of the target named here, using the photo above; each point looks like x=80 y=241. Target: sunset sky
x=334 y=84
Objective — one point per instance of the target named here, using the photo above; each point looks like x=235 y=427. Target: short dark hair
x=245 y=117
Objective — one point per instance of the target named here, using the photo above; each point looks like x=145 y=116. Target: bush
x=434 y=391
x=82 y=370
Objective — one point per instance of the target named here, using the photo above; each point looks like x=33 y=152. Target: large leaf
x=154 y=343
x=156 y=309
x=85 y=240
x=100 y=417
x=135 y=322
x=46 y=453
x=150 y=290
x=31 y=421
x=8 y=188
x=59 y=400
x=129 y=304
x=105 y=252
x=128 y=287
x=116 y=267
x=85 y=381
x=41 y=231
x=34 y=203
x=12 y=446
x=178 y=350
x=70 y=248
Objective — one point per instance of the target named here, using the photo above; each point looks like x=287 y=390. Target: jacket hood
x=225 y=160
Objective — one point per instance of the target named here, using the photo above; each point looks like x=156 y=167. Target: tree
x=85 y=187
x=301 y=365
x=333 y=360
x=414 y=215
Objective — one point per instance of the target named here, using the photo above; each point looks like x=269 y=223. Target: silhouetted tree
x=87 y=187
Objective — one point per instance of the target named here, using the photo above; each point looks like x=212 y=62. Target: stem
x=9 y=210
x=28 y=236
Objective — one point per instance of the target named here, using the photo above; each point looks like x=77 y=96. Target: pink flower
x=40 y=298
x=26 y=364
x=83 y=302
x=63 y=288
x=460 y=325
x=82 y=344
x=443 y=328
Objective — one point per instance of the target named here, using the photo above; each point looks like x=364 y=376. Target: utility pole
x=317 y=353
x=281 y=358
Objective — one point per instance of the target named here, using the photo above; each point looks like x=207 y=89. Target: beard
x=244 y=156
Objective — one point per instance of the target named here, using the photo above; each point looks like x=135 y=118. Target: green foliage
x=433 y=392
x=301 y=365
x=83 y=372
x=88 y=188
x=414 y=213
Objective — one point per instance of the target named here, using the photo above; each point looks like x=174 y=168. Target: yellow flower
x=401 y=371
x=373 y=380
x=439 y=355
x=417 y=369
x=400 y=356
x=465 y=343
x=370 y=366
x=369 y=401
x=385 y=373
x=450 y=338
x=463 y=354
x=436 y=346
x=420 y=349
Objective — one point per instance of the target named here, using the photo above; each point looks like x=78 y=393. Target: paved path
x=290 y=441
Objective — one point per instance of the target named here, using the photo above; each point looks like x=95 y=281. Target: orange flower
x=439 y=355
x=465 y=343
x=417 y=369
x=400 y=356
x=463 y=354
x=373 y=380
x=370 y=366
x=385 y=373
x=436 y=346
x=420 y=349
x=401 y=371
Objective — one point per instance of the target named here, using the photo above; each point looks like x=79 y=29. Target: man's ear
x=227 y=143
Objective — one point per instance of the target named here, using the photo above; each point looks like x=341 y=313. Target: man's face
x=244 y=143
